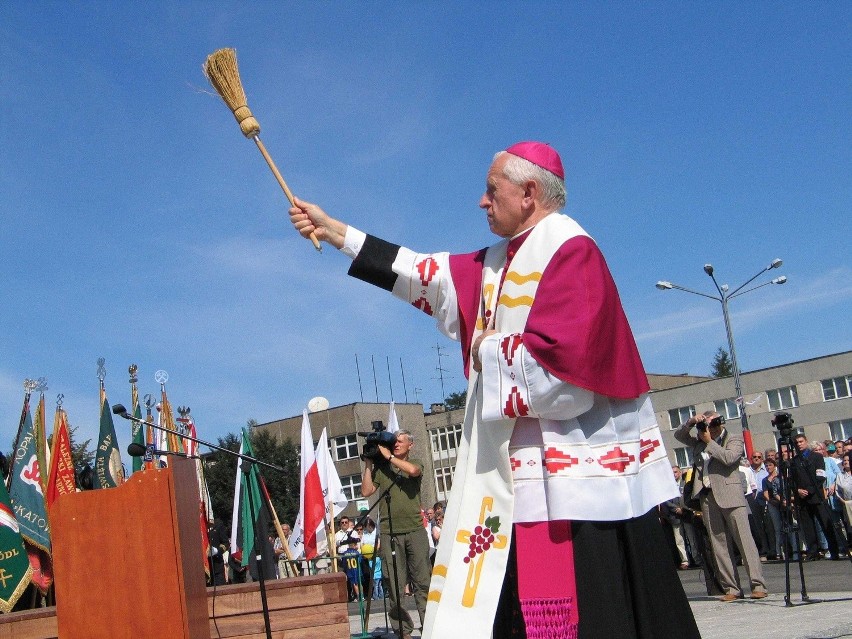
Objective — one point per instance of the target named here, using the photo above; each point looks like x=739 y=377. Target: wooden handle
x=282 y=183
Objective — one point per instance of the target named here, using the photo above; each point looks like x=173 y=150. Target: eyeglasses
x=757 y=456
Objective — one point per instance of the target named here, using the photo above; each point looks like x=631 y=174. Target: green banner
x=108 y=471
x=15 y=570
x=26 y=493
x=137 y=430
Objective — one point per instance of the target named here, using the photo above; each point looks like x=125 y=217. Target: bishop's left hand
x=474 y=351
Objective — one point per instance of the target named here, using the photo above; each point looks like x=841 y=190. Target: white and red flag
x=334 y=498
x=309 y=529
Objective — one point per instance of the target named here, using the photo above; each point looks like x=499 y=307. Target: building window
x=841 y=429
x=445 y=441
x=780 y=398
x=346 y=447
x=443 y=482
x=836 y=388
x=727 y=407
x=351 y=485
x=678 y=416
x=683 y=456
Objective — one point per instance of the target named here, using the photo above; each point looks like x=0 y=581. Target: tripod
x=790 y=518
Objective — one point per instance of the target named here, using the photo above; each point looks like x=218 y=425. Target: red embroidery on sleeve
x=423 y=304
x=427 y=269
x=509 y=345
x=515 y=406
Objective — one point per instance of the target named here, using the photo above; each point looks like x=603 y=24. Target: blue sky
x=139 y=225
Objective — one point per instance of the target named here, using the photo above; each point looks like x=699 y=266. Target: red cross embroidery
x=509 y=345
x=516 y=463
x=427 y=269
x=515 y=406
x=646 y=447
x=555 y=460
x=423 y=304
x=617 y=460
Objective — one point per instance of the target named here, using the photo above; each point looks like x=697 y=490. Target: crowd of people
x=745 y=498
x=356 y=546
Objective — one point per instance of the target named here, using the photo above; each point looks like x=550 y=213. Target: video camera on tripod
x=378 y=437
x=783 y=423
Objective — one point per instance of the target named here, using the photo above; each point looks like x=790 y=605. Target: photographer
x=718 y=484
x=402 y=475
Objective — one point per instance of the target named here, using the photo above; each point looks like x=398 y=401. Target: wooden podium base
x=299 y=608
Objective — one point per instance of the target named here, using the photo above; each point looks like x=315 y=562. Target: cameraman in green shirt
x=409 y=542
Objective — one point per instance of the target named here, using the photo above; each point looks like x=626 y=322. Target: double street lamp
x=723 y=298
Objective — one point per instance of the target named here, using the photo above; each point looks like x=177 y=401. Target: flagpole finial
x=59 y=399
x=30 y=385
x=161 y=377
x=101 y=370
x=132 y=370
x=149 y=402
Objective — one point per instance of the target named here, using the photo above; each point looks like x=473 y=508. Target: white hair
x=518 y=170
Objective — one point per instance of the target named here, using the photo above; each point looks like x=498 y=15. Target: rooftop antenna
x=441 y=370
x=402 y=372
x=358 y=369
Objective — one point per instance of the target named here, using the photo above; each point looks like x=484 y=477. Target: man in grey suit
x=723 y=506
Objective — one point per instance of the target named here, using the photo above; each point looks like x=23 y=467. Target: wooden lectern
x=128 y=560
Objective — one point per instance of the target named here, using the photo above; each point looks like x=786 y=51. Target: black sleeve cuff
x=374 y=262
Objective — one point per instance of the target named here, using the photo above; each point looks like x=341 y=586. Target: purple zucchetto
x=540 y=154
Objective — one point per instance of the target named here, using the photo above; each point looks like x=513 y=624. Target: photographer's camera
x=378 y=437
x=784 y=424
x=716 y=421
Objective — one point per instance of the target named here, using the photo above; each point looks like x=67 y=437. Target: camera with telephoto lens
x=784 y=424
x=716 y=421
x=378 y=437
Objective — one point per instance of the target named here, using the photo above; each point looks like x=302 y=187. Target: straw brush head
x=221 y=69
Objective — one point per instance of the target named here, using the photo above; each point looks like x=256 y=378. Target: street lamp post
x=723 y=298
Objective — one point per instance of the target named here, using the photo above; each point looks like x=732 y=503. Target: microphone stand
x=245 y=467
x=248 y=460
x=121 y=411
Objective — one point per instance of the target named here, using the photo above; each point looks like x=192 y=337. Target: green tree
x=284 y=485
x=221 y=472
x=722 y=365
x=456 y=400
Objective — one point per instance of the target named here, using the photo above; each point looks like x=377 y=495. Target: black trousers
x=807 y=513
x=627 y=585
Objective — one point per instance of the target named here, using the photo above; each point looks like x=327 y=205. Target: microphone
x=121 y=411
x=149 y=452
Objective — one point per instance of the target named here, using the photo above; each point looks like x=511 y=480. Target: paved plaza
x=827 y=615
